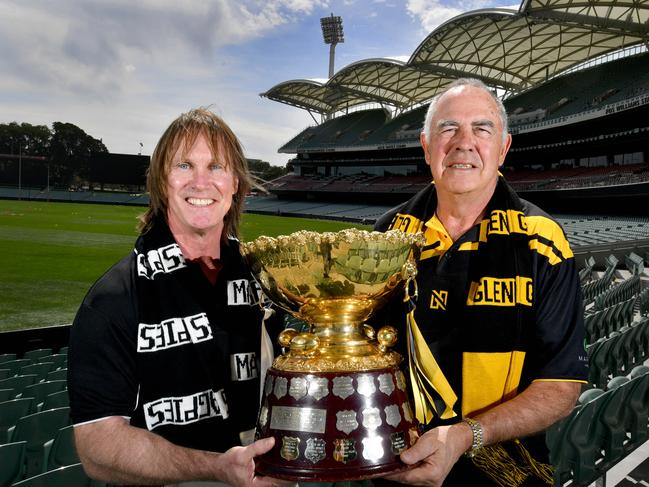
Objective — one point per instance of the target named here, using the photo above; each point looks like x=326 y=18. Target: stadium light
x=332 y=31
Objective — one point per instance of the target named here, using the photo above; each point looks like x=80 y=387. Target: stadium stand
x=35 y=439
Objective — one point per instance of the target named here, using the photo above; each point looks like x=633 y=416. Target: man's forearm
x=113 y=451
x=533 y=410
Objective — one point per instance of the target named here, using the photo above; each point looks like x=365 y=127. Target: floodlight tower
x=332 y=31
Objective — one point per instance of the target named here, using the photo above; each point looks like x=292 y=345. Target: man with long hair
x=165 y=348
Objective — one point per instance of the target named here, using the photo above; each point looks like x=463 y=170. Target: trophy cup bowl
x=336 y=399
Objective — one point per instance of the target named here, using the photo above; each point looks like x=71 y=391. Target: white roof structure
x=507 y=49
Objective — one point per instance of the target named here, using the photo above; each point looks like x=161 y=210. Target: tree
x=70 y=150
x=265 y=171
x=28 y=139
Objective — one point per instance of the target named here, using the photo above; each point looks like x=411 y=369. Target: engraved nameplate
x=297 y=389
x=346 y=421
x=343 y=387
x=371 y=418
x=392 y=415
x=315 y=450
x=290 y=448
x=318 y=387
x=344 y=450
x=407 y=412
x=366 y=385
x=281 y=386
x=372 y=448
x=386 y=384
x=268 y=386
x=306 y=420
x=263 y=416
x=401 y=380
x=398 y=442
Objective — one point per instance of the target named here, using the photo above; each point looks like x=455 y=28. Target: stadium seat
x=5 y=374
x=55 y=400
x=10 y=412
x=599 y=362
x=63 y=350
x=620 y=353
x=15 y=365
x=18 y=383
x=634 y=263
x=58 y=359
x=638 y=407
x=61 y=450
x=36 y=429
x=40 y=370
x=41 y=389
x=612 y=416
x=7 y=357
x=35 y=355
x=60 y=374
x=12 y=461
x=7 y=394
x=70 y=476
x=585 y=441
x=633 y=346
x=574 y=451
x=640 y=341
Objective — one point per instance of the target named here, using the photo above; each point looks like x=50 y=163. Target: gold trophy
x=336 y=400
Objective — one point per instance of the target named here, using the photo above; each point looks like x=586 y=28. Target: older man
x=495 y=342
x=165 y=349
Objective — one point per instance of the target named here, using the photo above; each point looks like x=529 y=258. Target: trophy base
x=326 y=474
x=335 y=426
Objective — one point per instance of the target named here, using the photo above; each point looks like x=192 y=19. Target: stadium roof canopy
x=509 y=50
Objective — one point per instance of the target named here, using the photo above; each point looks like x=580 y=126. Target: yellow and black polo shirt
x=500 y=307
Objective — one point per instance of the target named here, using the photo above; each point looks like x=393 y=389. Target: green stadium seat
x=63 y=350
x=599 y=362
x=15 y=365
x=612 y=416
x=37 y=429
x=35 y=355
x=61 y=451
x=55 y=400
x=10 y=412
x=60 y=374
x=7 y=394
x=41 y=389
x=568 y=447
x=18 y=383
x=70 y=476
x=58 y=359
x=5 y=374
x=7 y=357
x=12 y=461
x=638 y=407
x=621 y=353
x=40 y=370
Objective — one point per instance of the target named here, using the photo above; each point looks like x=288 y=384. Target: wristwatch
x=478 y=438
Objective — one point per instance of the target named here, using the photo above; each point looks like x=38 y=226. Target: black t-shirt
x=167 y=349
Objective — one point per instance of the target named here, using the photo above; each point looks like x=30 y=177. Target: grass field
x=50 y=253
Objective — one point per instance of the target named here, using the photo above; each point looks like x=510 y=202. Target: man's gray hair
x=476 y=83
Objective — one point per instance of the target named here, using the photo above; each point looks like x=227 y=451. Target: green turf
x=50 y=253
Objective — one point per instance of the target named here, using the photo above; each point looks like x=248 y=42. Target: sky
x=122 y=70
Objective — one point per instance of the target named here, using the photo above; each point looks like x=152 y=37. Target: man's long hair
x=182 y=134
